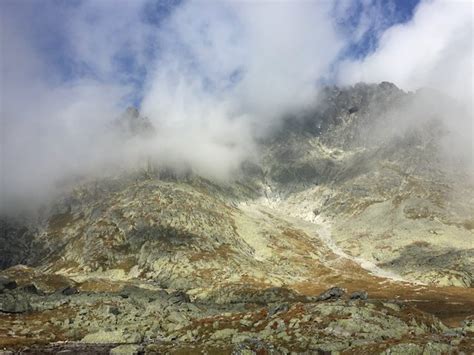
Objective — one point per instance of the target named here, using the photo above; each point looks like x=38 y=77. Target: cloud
x=434 y=49
x=227 y=71
x=52 y=128
x=211 y=76
x=256 y=59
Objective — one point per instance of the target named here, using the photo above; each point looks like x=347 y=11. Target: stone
x=468 y=325
x=294 y=323
x=353 y=109
x=392 y=306
x=279 y=308
x=246 y=323
x=223 y=334
x=68 y=291
x=114 y=337
x=7 y=284
x=192 y=308
x=127 y=349
x=176 y=317
x=277 y=325
x=331 y=294
x=455 y=342
x=114 y=310
x=283 y=335
x=14 y=303
x=31 y=288
x=187 y=337
x=359 y=295
x=179 y=297
x=242 y=337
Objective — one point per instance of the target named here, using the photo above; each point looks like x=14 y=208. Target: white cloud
x=221 y=74
x=227 y=71
x=434 y=49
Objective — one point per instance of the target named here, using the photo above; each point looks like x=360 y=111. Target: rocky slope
x=375 y=170
x=342 y=196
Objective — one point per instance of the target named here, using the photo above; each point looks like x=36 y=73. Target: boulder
x=331 y=294
x=31 y=288
x=113 y=310
x=112 y=337
x=7 y=284
x=68 y=291
x=14 y=303
x=179 y=297
x=353 y=109
x=468 y=325
x=223 y=334
x=282 y=307
x=102 y=336
x=359 y=295
x=127 y=349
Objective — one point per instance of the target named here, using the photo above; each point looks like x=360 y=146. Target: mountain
x=352 y=232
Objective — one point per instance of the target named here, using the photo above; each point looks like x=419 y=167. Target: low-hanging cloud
x=211 y=77
x=433 y=50
x=227 y=70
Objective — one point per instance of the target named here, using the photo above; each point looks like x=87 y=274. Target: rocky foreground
x=51 y=314
x=342 y=238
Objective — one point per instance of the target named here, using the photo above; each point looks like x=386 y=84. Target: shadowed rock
x=333 y=293
x=14 y=303
x=279 y=308
x=7 y=284
x=68 y=291
x=359 y=295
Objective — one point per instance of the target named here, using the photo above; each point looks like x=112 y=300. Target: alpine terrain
x=350 y=231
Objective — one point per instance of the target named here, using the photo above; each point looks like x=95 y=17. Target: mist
x=211 y=77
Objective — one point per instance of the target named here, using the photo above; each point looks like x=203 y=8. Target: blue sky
x=388 y=14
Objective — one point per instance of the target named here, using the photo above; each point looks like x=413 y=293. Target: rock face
x=17 y=242
x=379 y=177
x=275 y=261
